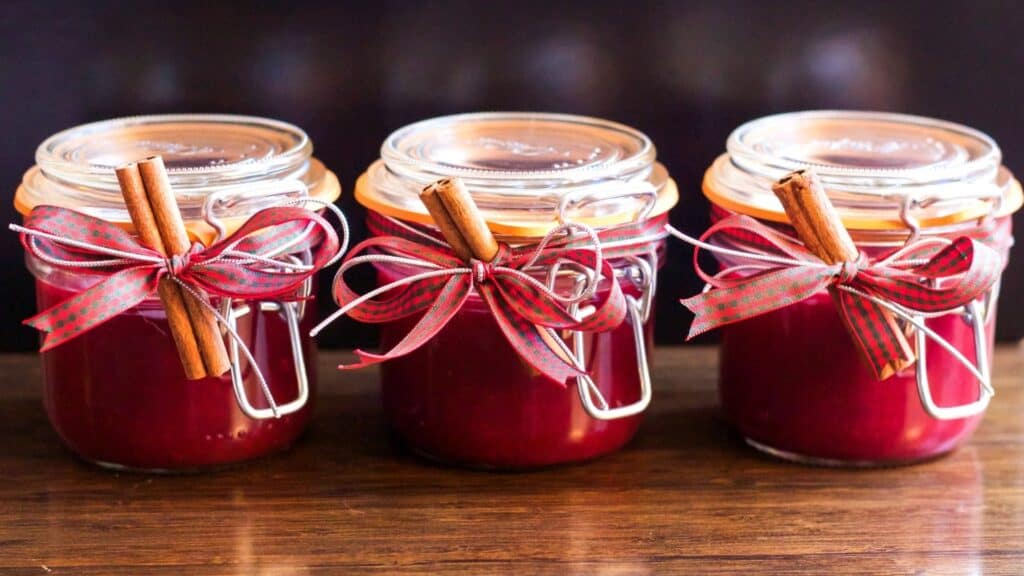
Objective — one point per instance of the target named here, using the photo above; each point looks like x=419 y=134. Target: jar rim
x=882 y=170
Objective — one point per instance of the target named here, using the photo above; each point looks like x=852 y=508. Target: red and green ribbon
x=242 y=266
x=764 y=270
x=437 y=283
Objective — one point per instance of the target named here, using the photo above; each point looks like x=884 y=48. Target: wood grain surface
x=685 y=497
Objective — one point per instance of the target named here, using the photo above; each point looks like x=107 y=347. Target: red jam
x=117 y=395
x=793 y=383
x=466 y=397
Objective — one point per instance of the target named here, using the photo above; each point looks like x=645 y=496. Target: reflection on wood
x=686 y=496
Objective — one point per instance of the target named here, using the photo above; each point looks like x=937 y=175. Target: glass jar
x=792 y=381
x=117 y=394
x=466 y=396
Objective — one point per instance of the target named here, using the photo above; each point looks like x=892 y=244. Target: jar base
x=500 y=468
x=818 y=461
x=184 y=470
x=508 y=463
x=121 y=468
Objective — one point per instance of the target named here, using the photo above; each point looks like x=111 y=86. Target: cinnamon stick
x=467 y=218
x=444 y=222
x=464 y=228
x=175 y=238
x=818 y=225
x=134 y=194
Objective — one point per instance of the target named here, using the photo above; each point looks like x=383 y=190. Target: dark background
x=349 y=73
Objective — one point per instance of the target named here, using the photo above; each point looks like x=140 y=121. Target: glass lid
x=881 y=170
x=523 y=169
x=527 y=146
x=251 y=160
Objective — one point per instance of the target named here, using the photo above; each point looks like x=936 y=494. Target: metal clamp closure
x=644 y=191
x=909 y=203
x=293 y=313
x=292 y=318
x=974 y=314
x=641 y=272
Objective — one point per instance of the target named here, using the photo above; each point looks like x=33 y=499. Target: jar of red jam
x=792 y=381
x=117 y=394
x=466 y=396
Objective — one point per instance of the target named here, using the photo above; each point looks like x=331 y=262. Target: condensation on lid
x=871 y=164
x=520 y=167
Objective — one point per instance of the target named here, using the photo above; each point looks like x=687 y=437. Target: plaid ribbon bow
x=244 y=265
x=437 y=284
x=765 y=270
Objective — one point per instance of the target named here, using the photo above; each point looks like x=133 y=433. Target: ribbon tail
x=761 y=294
x=448 y=302
x=874 y=332
x=530 y=341
x=87 y=310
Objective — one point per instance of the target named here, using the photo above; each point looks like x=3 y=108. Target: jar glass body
x=466 y=396
x=793 y=383
x=117 y=394
x=792 y=380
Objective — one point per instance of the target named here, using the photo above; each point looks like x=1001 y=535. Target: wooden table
x=685 y=496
